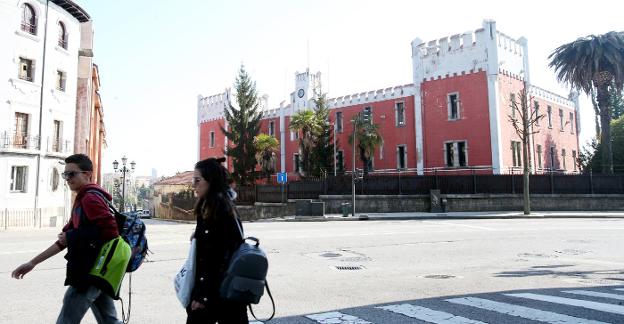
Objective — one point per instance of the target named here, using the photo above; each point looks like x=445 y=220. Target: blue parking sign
x=282 y=177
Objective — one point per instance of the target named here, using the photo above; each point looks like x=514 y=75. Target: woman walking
x=217 y=235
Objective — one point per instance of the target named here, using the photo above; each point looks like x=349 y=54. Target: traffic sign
x=282 y=177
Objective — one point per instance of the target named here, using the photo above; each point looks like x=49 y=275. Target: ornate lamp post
x=123 y=170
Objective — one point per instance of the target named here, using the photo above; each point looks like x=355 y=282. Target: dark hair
x=217 y=176
x=82 y=161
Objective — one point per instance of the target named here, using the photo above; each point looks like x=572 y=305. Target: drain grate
x=438 y=276
x=349 y=268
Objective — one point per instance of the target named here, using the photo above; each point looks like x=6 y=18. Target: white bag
x=185 y=279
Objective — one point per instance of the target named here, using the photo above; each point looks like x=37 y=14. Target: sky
x=156 y=57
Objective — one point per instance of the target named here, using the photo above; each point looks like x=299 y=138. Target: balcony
x=58 y=146
x=62 y=42
x=29 y=28
x=14 y=141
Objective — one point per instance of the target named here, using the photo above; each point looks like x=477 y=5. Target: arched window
x=29 y=19
x=62 y=35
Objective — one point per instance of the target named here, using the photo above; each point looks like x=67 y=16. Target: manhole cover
x=349 y=268
x=439 y=276
x=331 y=255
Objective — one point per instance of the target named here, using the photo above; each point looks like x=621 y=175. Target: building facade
x=39 y=61
x=454 y=117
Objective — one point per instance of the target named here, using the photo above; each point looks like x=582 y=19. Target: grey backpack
x=245 y=278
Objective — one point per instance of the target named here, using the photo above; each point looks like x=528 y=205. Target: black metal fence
x=398 y=184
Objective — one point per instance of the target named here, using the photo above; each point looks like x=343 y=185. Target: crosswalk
x=558 y=306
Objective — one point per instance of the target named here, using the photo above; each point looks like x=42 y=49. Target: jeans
x=76 y=304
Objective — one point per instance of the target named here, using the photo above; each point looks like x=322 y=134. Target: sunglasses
x=70 y=174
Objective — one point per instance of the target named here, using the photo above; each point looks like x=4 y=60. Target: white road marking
x=594 y=294
x=521 y=311
x=336 y=318
x=462 y=225
x=619 y=289
x=608 y=308
x=428 y=315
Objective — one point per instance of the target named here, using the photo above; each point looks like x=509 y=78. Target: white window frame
x=450 y=106
x=539 y=156
x=571 y=122
x=339 y=122
x=211 y=139
x=272 y=128
x=13 y=186
x=516 y=153
x=398 y=156
x=397 y=116
x=61 y=80
x=536 y=109
x=29 y=74
x=456 y=154
x=574 y=159
x=57 y=135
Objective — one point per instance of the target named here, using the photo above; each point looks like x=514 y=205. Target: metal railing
x=19 y=141
x=62 y=42
x=58 y=145
x=29 y=217
x=29 y=28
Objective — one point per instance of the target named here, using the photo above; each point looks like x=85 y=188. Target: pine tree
x=243 y=126
x=322 y=154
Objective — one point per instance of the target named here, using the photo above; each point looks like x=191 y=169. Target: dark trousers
x=221 y=311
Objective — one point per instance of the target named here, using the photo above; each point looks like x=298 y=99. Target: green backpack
x=110 y=266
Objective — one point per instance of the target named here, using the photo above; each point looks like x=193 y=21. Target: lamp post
x=123 y=170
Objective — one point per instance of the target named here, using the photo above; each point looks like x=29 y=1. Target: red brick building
x=454 y=117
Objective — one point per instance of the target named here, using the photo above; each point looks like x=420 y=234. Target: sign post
x=282 y=179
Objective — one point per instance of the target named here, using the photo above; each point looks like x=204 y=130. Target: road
x=413 y=271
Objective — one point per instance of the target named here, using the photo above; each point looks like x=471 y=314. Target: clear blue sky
x=156 y=57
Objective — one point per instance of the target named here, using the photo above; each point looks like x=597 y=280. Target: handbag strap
x=266 y=284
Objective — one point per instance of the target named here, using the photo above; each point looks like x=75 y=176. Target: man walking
x=90 y=226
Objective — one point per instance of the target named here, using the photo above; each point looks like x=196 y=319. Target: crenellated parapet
x=211 y=107
x=484 y=49
x=371 y=96
x=550 y=96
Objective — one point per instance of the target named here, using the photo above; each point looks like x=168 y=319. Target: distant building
x=41 y=42
x=453 y=118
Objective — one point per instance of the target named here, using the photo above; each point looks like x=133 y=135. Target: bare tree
x=523 y=119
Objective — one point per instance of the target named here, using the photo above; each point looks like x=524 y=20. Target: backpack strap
x=266 y=284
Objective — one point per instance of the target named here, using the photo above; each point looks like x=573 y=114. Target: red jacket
x=95 y=210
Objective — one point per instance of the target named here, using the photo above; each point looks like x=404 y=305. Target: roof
x=73 y=9
x=183 y=178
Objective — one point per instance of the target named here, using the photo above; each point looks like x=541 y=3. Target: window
x=212 y=139
x=272 y=128
x=20 y=138
x=294 y=135
x=571 y=123
x=549 y=111
x=453 y=106
x=297 y=162
x=340 y=161
x=18 y=178
x=368 y=111
x=26 y=69
x=563 y=158
x=400 y=114
x=61 y=78
x=29 y=19
x=456 y=154
x=516 y=152
x=401 y=157
x=54 y=179
x=561 y=123
x=62 y=35
x=339 y=122
x=536 y=113
x=56 y=136
x=552 y=157
x=539 y=156
x=574 y=159
x=512 y=100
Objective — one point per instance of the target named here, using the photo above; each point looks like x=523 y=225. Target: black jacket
x=216 y=242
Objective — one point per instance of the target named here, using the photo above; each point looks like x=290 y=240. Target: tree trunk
x=605 y=123
x=525 y=157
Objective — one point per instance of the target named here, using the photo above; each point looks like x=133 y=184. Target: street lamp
x=123 y=170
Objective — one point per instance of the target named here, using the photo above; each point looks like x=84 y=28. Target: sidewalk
x=454 y=215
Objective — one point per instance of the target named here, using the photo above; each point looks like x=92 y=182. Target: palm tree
x=594 y=62
x=305 y=121
x=368 y=138
x=266 y=147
